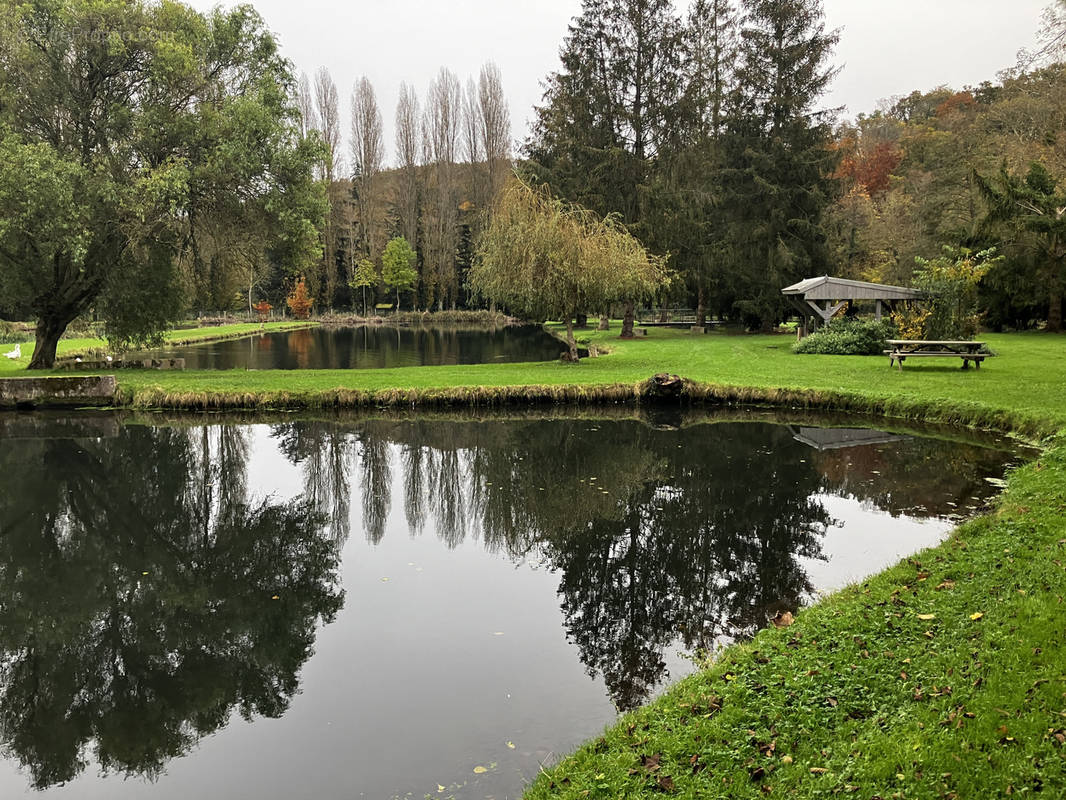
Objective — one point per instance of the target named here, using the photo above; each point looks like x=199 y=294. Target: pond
x=386 y=607
x=372 y=347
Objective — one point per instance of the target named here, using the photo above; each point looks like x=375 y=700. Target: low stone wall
x=120 y=363
x=98 y=390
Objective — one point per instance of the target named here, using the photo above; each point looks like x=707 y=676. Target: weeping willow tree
x=543 y=258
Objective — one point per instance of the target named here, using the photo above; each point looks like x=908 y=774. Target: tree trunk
x=571 y=342
x=664 y=314
x=701 y=306
x=582 y=320
x=1054 y=310
x=397 y=298
x=49 y=332
x=605 y=322
x=627 y=322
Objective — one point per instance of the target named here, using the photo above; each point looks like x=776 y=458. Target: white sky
x=887 y=47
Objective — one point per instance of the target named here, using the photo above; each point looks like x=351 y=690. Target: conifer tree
x=777 y=146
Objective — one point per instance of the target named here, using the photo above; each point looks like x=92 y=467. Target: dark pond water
x=370 y=347
x=376 y=608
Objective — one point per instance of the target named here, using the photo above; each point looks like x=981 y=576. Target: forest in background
x=703 y=133
x=701 y=129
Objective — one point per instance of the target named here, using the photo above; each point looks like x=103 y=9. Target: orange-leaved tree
x=299 y=302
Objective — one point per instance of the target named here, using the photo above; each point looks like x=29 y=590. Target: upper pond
x=372 y=346
x=353 y=607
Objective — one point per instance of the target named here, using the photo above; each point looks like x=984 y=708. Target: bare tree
x=327 y=110
x=408 y=145
x=472 y=142
x=368 y=152
x=441 y=131
x=495 y=127
x=305 y=102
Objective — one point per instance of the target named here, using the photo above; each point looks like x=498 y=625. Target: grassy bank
x=944 y=677
x=1019 y=390
x=69 y=348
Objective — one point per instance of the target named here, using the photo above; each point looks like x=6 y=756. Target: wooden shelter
x=821 y=298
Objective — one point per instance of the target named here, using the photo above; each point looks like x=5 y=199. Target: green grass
x=1020 y=389
x=1022 y=386
x=73 y=347
x=944 y=677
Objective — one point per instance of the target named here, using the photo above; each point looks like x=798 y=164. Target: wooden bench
x=902 y=349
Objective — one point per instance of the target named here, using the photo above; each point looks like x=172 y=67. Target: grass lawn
x=1021 y=388
x=944 y=677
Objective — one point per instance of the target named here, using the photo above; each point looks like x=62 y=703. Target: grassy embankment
x=69 y=348
x=1020 y=391
x=944 y=677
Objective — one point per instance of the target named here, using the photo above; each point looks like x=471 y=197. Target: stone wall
x=97 y=390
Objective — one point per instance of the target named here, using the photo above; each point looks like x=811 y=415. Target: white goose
x=15 y=354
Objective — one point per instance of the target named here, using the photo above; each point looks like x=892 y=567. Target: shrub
x=848 y=337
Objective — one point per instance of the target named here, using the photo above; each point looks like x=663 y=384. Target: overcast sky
x=887 y=47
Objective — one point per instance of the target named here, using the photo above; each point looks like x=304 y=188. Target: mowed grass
x=10 y=368
x=1026 y=380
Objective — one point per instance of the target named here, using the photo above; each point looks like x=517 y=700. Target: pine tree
x=777 y=146
x=611 y=106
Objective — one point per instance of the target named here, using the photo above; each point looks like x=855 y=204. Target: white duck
x=15 y=354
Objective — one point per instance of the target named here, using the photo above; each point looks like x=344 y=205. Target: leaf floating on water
x=439 y=788
x=384 y=580
x=497 y=633
x=976 y=616
x=275 y=597
x=926 y=617
x=479 y=770
x=510 y=745
x=144 y=573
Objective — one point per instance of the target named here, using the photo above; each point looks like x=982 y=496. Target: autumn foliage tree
x=299 y=302
x=262 y=308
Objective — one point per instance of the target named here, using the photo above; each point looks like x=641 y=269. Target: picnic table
x=902 y=349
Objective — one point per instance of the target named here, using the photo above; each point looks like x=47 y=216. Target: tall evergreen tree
x=688 y=191
x=777 y=145
x=611 y=105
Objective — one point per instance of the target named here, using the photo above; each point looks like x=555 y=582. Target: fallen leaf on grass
x=976 y=616
x=926 y=617
x=783 y=619
x=818 y=770
x=666 y=783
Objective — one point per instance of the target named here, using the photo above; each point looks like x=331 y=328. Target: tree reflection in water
x=137 y=574
x=136 y=612
x=652 y=545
